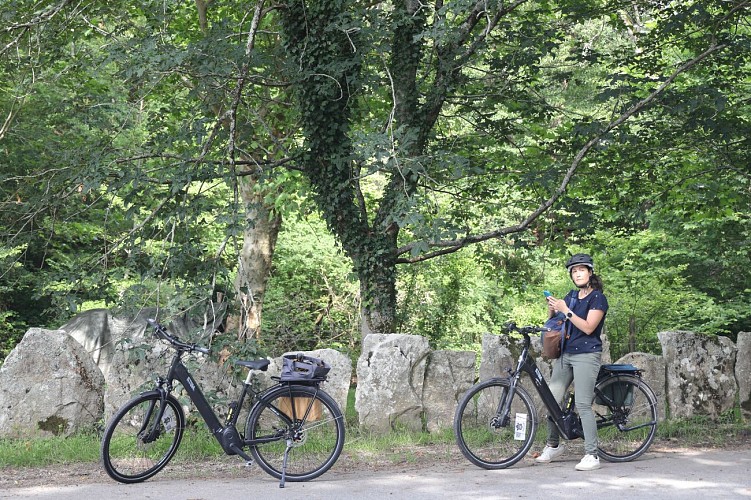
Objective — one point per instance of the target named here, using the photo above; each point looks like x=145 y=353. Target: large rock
x=340 y=376
x=95 y=330
x=390 y=377
x=606 y=359
x=700 y=373
x=743 y=373
x=497 y=357
x=653 y=373
x=49 y=385
x=99 y=331
x=448 y=375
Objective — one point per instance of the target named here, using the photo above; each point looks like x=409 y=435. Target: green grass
x=400 y=444
x=729 y=430
x=38 y=452
x=34 y=452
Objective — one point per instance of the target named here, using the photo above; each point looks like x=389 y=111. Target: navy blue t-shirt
x=577 y=341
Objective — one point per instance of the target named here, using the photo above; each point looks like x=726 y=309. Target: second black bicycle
x=496 y=421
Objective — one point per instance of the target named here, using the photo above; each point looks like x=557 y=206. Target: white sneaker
x=589 y=462
x=549 y=454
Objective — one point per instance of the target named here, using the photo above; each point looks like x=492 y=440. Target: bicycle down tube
x=196 y=395
x=528 y=365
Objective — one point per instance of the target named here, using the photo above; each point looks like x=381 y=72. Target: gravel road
x=415 y=473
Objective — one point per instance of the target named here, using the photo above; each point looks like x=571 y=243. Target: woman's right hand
x=551 y=309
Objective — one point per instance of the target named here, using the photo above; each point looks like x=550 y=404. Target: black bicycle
x=294 y=430
x=496 y=421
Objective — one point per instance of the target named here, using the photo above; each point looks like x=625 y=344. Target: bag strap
x=566 y=331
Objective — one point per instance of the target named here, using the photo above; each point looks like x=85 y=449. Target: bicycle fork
x=149 y=435
x=503 y=412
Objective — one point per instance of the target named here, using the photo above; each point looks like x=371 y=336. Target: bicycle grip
x=159 y=330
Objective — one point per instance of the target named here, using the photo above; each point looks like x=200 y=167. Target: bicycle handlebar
x=162 y=333
x=524 y=330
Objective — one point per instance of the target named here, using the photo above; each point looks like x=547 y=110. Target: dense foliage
x=430 y=166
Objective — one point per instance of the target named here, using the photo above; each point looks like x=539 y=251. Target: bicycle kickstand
x=284 y=463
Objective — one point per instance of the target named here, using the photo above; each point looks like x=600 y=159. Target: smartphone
x=546 y=293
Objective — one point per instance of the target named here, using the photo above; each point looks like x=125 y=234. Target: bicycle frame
x=285 y=415
x=568 y=427
x=226 y=434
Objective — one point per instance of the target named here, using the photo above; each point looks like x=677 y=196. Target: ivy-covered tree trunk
x=330 y=64
x=329 y=67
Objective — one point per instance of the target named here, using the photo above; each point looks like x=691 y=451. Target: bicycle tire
x=479 y=439
x=312 y=422
x=128 y=453
x=625 y=408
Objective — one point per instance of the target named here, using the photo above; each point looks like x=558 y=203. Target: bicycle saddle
x=258 y=364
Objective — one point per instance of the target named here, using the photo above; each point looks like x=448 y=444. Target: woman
x=585 y=309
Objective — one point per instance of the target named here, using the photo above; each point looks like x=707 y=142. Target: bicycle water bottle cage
x=301 y=369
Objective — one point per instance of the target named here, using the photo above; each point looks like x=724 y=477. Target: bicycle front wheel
x=302 y=422
x=626 y=411
x=482 y=437
x=142 y=437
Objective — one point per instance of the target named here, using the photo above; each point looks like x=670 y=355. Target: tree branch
x=43 y=17
x=446 y=247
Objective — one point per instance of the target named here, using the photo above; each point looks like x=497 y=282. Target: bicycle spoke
x=627 y=418
x=314 y=444
x=481 y=435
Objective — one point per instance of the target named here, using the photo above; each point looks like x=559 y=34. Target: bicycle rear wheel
x=481 y=438
x=626 y=411
x=302 y=417
x=142 y=437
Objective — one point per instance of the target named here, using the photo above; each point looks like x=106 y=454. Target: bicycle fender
x=155 y=392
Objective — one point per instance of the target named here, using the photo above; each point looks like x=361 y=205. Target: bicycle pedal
x=249 y=463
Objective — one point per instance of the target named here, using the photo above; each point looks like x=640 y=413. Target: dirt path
x=407 y=458
x=416 y=474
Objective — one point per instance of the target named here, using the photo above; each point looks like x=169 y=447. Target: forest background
x=330 y=168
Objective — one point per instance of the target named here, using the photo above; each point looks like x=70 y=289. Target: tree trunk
x=259 y=240
x=329 y=67
x=377 y=284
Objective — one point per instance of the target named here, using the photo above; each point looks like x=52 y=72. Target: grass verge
x=729 y=431
x=398 y=445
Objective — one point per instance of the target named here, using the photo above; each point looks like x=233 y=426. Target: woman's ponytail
x=595 y=282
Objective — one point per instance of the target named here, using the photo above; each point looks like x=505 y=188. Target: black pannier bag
x=619 y=393
x=301 y=368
